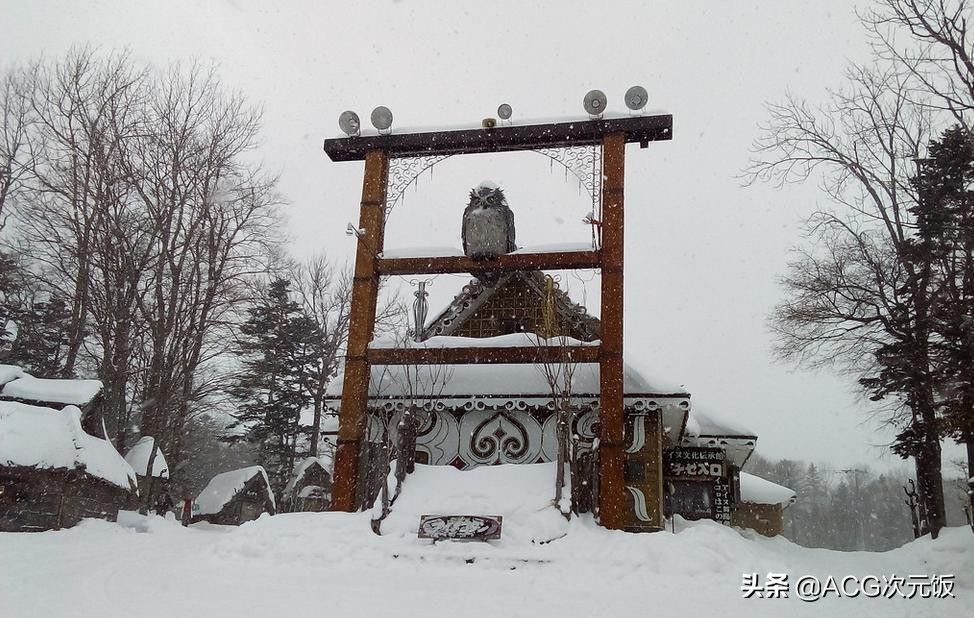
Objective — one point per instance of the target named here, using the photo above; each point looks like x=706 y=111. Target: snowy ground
x=331 y=564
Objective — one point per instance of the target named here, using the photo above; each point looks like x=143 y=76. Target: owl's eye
x=491 y=199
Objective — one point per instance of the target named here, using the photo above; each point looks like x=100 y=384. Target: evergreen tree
x=11 y=288
x=32 y=321
x=41 y=341
x=278 y=345
x=809 y=517
x=945 y=225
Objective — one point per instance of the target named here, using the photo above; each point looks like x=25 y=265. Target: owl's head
x=487 y=195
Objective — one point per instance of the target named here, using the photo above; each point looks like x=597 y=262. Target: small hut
x=762 y=506
x=310 y=486
x=138 y=458
x=235 y=497
x=53 y=474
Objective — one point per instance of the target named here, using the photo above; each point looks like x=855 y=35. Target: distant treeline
x=849 y=508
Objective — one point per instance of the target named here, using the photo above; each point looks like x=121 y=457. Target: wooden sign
x=460 y=527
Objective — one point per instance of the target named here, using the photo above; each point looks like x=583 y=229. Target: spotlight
x=382 y=118
x=636 y=98
x=349 y=123
x=594 y=103
x=504 y=111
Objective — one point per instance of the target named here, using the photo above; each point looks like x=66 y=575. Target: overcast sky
x=703 y=254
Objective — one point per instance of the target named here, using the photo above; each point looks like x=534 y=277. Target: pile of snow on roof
x=72 y=392
x=491 y=380
x=757 y=490
x=223 y=487
x=53 y=439
x=138 y=458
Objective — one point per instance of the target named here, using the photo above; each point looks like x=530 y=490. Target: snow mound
x=522 y=494
x=138 y=458
x=757 y=490
x=223 y=487
x=53 y=439
x=49 y=390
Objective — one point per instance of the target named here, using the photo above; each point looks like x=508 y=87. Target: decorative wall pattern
x=488 y=436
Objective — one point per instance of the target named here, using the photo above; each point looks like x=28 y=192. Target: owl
x=488 y=223
x=488 y=227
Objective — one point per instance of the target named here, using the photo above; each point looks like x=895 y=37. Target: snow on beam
x=566 y=260
x=483 y=355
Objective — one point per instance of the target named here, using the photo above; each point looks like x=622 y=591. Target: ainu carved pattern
x=487 y=435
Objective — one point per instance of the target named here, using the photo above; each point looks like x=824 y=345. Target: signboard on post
x=460 y=527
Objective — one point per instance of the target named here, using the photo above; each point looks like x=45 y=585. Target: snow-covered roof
x=757 y=490
x=48 y=390
x=511 y=340
x=52 y=439
x=523 y=381
x=707 y=422
x=323 y=460
x=511 y=386
x=223 y=487
x=10 y=372
x=138 y=458
x=711 y=429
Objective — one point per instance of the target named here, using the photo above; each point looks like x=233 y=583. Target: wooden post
x=365 y=290
x=612 y=491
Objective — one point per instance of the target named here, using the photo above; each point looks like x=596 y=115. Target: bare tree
x=15 y=120
x=80 y=109
x=859 y=294
x=928 y=41
x=559 y=375
x=325 y=294
x=214 y=217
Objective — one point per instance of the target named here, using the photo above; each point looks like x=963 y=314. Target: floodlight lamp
x=349 y=123
x=382 y=118
x=636 y=98
x=594 y=103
